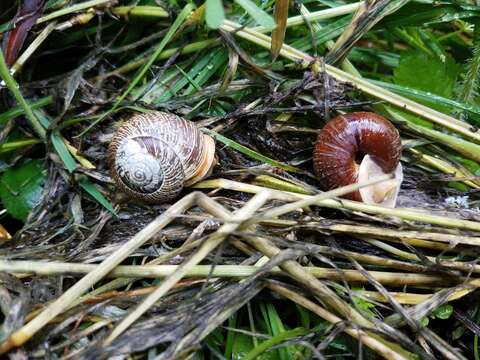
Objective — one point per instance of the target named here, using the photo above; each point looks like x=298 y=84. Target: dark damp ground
x=240 y=97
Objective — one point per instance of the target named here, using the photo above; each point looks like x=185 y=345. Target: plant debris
x=255 y=261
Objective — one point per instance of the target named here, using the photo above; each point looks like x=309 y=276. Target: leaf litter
x=362 y=273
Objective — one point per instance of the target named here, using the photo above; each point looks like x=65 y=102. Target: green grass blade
x=214 y=13
x=184 y=14
x=466 y=148
x=15 y=89
x=232 y=322
x=97 y=195
x=197 y=68
x=62 y=151
x=17 y=111
x=17 y=144
x=433 y=99
x=217 y=59
x=275 y=340
x=257 y=14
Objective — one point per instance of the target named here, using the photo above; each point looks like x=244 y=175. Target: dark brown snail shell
x=340 y=143
x=154 y=155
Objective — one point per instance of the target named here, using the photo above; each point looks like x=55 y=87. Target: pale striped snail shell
x=154 y=155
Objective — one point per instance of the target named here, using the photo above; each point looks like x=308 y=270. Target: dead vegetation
x=256 y=261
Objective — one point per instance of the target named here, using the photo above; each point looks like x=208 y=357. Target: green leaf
x=458 y=332
x=443 y=312
x=257 y=14
x=424 y=321
x=276 y=328
x=242 y=345
x=21 y=188
x=364 y=305
x=232 y=321
x=420 y=71
x=62 y=151
x=97 y=195
x=214 y=13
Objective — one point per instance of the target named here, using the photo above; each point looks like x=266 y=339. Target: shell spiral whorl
x=153 y=156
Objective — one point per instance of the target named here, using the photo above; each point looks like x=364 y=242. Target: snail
x=343 y=140
x=154 y=155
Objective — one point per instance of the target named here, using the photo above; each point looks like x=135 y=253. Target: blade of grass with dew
x=198 y=66
x=162 y=87
x=214 y=13
x=434 y=100
x=466 y=148
x=88 y=186
x=278 y=34
x=184 y=14
x=251 y=153
x=257 y=14
x=13 y=86
x=190 y=80
x=218 y=59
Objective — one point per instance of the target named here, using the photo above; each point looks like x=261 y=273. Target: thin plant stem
x=148 y=11
x=406 y=214
x=15 y=89
x=210 y=244
x=242 y=217
x=317 y=15
x=392 y=233
x=221 y=271
x=73 y=9
x=32 y=48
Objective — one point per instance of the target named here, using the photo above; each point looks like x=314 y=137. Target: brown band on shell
x=172 y=149
x=344 y=138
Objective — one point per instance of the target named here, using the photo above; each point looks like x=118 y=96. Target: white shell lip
x=384 y=193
